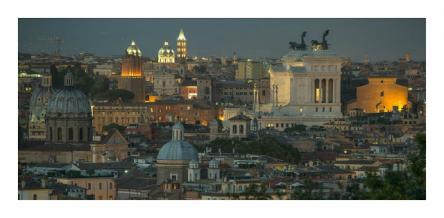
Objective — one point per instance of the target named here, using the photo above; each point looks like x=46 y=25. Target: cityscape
x=270 y=120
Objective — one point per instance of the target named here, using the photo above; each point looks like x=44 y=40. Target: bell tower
x=181 y=46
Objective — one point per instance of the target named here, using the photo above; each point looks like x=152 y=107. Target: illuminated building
x=381 y=94
x=188 y=90
x=166 y=54
x=131 y=77
x=304 y=89
x=181 y=46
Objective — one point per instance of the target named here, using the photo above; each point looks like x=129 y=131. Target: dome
x=165 y=50
x=133 y=50
x=177 y=150
x=69 y=101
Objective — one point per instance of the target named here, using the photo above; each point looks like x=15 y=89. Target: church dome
x=69 y=101
x=177 y=148
x=133 y=50
x=165 y=50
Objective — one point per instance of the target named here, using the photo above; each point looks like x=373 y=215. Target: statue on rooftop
x=299 y=46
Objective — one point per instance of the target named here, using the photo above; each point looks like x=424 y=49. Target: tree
x=396 y=185
x=112 y=95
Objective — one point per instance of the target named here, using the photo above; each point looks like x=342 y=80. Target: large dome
x=69 y=100
x=177 y=150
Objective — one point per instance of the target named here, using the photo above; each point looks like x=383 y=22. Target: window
x=234 y=129
x=241 y=129
x=34 y=197
x=100 y=186
x=50 y=133
x=89 y=186
x=110 y=185
x=317 y=109
x=382 y=94
x=80 y=134
x=59 y=134
x=70 y=134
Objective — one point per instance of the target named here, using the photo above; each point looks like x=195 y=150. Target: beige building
x=102 y=188
x=112 y=147
x=119 y=113
x=250 y=70
x=305 y=89
x=239 y=126
x=166 y=83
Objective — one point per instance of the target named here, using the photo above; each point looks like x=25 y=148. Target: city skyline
x=379 y=39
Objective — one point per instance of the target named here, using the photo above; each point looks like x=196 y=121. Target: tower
x=213 y=170
x=131 y=77
x=181 y=46
x=193 y=171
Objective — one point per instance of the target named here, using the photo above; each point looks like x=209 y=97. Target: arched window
x=59 y=134
x=241 y=129
x=234 y=129
x=80 y=134
x=70 y=134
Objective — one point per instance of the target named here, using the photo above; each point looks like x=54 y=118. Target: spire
x=181 y=35
x=133 y=43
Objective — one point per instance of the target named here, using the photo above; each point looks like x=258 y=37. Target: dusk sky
x=380 y=39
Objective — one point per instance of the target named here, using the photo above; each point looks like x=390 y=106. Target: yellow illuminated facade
x=181 y=46
x=131 y=77
x=132 y=63
x=166 y=54
x=381 y=94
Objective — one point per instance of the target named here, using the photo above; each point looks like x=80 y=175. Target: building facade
x=166 y=54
